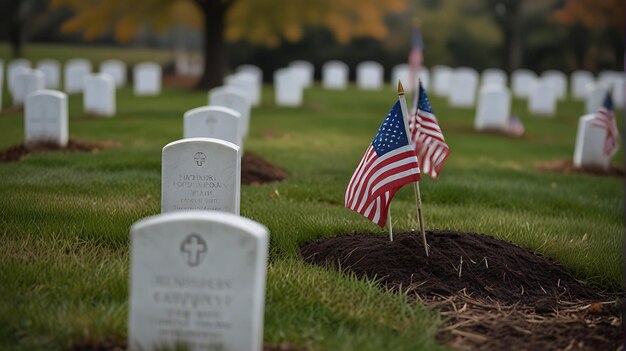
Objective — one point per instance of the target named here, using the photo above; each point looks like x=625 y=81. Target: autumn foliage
x=593 y=14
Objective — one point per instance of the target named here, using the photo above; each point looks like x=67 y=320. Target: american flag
x=430 y=146
x=605 y=119
x=416 y=56
x=388 y=164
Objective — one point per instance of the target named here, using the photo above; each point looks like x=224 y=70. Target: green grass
x=64 y=218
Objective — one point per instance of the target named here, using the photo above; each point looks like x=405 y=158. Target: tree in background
x=14 y=15
x=266 y=22
x=602 y=21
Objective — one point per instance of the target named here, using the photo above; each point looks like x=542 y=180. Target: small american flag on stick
x=430 y=146
x=605 y=119
x=388 y=164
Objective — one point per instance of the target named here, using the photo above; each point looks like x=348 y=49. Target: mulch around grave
x=179 y=81
x=257 y=170
x=567 y=166
x=18 y=152
x=492 y=294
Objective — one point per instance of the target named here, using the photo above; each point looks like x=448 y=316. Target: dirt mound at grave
x=179 y=81
x=256 y=170
x=18 y=152
x=567 y=166
x=493 y=295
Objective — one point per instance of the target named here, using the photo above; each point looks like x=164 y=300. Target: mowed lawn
x=65 y=217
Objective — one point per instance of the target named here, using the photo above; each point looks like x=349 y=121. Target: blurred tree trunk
x=12 y=20
x=214 y=48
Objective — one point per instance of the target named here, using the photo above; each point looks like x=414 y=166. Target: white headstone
x=51 y=70
x=493 y=76
x=147 y=78
x=442 y=79
x=580 y=80
x=197 y=281
x=234 y=99
x=335 y=75
x=248 y=84
x=216 y=122
x=369 y=75
x=99 y=95
x=618 y=92
x=288 y=87
x=523 y=82
x=76 y=70
x=14 y=68
x=252 y=69
x=463 y=87
x=494 y=108
x=542 y=99
x=305 y=72
x=589 y=151
x=45 y=118
x=557 y=81
x=424 y=76
x=200 y=174
x=116 y=69
x=595 y=97
x=26 y=83
x=401 y=73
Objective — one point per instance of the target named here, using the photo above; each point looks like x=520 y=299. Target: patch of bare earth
x=257 y=170
x=567 y=166
x=18 y=152
x=492 y=294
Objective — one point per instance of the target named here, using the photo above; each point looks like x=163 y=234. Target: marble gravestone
x=116 y=69
x=580 y=81
x=523 y=82
x=247 y=84
x=253 y=70
x=147 y=79
x=401 y=73
x=557 y=81
x=595 y=97
x=26 y=83
x=424 y=76
x=99 y=95
x=288 y=87
x=442 y=78
x=197 y=281
x=51 y=70
x=369 y=75
x=494 y=108
x=234 y=99
x=493 y=76
x=15 y=67
x=589 y=150
x=542 y=99
x=463 y=87
x=335 y=75
x=305 y=71
x=45 y=118
x=200 y=174
x=216 y=122
x=76 y=70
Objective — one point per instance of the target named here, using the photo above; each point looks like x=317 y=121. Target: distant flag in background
x=426 y=136
x=515 y=127
x=388 y=164
x=605 y=118
x=416 y=57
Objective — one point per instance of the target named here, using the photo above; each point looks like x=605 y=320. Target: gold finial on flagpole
x=400 y=88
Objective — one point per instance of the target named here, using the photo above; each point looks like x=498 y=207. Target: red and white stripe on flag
x=376 y=180
x=605 y=119
x=430 y=146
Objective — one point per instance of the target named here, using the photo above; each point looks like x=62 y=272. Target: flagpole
x=416 y=187
x=389 y=222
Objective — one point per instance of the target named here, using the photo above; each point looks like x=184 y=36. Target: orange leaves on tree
x=594 y=14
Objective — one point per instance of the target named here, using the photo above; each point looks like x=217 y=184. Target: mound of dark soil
x=567 y=166
x=492 y=294
x=18 y=152
x=256 y=170
x=479 y=265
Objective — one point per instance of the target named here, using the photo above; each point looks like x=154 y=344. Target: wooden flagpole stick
x=389 y=222
x=416 y=187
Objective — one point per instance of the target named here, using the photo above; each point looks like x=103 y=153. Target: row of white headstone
x=22 y=79
x=198 y=270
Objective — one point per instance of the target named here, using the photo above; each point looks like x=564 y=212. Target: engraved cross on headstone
x=194 y=246
x=210 y=122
